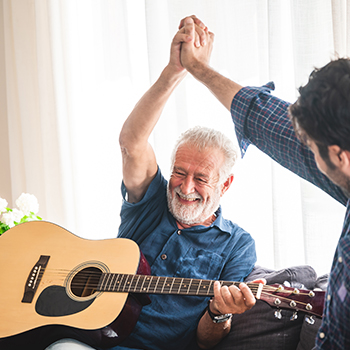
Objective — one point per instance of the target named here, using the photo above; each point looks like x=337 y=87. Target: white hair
x=203 y=137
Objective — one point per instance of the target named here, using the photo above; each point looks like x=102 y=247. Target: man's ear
x=226 y=185
x=340 y=158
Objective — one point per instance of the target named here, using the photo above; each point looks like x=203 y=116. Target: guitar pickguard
x=54 y=301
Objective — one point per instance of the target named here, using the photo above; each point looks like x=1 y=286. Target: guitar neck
x=114 y=282
x=275 y=295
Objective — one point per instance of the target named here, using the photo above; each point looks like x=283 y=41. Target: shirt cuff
x=240 y=107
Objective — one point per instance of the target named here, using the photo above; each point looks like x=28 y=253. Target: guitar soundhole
x=85 y=282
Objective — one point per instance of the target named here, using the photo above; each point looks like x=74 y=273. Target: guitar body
x=56 y=285
x=58 y=302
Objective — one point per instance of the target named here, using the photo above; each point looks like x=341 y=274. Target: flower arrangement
x=28 y=207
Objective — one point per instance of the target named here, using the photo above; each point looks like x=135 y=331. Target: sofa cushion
x=258 y=328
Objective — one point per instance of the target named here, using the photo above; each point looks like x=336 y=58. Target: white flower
x=3 y=205
x=11 y=217
x=27 y=203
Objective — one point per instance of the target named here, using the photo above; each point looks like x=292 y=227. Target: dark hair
x=322 y=111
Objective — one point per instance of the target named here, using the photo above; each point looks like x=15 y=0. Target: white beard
x=195 y=213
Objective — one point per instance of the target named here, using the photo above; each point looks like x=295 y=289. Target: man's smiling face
x=194 y=191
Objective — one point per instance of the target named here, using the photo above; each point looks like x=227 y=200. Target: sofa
x=260 y=329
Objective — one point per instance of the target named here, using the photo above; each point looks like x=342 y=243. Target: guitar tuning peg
x=310 y=320
x=294 y=316
x=286 y=284
x=278 y=314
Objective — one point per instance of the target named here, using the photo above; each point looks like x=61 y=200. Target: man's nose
x=187 y=185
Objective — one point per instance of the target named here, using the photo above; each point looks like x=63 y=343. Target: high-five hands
x=197 y=49
x=201 y=30
x=191 y=46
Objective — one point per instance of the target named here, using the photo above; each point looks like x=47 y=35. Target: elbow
x=124 y=143
x=122 y=140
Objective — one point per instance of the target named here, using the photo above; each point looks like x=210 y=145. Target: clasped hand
x=232 y=300
x=192 y=44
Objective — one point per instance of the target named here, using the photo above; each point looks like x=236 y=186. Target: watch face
x=222 y=318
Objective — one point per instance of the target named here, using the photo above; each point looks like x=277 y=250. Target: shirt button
x=340 y=259
x=179 y=232
x=321 y=335
x=328 y=297
x=163 y=256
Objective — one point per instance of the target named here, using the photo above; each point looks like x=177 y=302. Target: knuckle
x=233 y=289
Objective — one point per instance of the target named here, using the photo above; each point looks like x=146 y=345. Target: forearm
x=145 y=115
x=227 y=301
x=223 y=88
x=209 y=334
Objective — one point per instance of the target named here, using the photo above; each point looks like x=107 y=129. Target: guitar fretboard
x=113 y=282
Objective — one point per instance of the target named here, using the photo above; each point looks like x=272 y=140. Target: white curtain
x=72 y=70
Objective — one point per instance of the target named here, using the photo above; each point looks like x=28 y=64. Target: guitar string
x=177 y=280
x=64 y=274
x=98 y=275
x=184 y=282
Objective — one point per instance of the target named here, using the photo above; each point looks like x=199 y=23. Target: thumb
x=189 y=29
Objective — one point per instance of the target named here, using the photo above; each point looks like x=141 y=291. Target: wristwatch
x=218 y=318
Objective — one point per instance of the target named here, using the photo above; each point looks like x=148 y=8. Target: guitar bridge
x=34 y=279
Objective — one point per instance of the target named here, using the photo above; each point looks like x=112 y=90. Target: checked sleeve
x=262 y=119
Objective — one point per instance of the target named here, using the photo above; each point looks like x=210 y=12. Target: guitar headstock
x=308 y=301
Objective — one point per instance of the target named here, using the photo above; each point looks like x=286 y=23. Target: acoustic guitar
x=55 y=284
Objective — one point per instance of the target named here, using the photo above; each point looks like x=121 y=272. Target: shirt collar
x=221 y=223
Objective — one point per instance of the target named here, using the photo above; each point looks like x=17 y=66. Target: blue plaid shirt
x=262 y=119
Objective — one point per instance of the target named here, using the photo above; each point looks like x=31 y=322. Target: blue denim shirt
x=221 y=251
x=262 y=119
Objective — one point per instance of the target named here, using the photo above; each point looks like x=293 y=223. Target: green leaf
x=3 y=228
x=24 y=219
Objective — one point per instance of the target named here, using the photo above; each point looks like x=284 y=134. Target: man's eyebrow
x=195 y=174
x=179 y=168
x=201 y=175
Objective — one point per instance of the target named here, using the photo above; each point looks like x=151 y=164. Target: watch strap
x=217 y=318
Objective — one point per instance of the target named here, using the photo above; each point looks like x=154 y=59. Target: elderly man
x=188 y=237
x=317 y=148
x=179 y=225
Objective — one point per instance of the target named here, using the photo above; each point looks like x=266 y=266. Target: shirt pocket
x=200 y=264
x=339 y=288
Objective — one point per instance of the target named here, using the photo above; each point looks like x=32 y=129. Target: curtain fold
x=74 y=69
x=31 y=117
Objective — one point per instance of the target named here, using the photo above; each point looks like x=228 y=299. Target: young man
x=317 y=148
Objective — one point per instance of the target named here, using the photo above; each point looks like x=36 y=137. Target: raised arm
x=139 y=161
